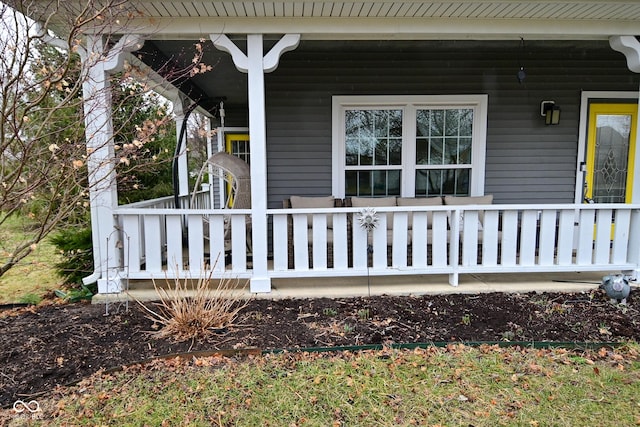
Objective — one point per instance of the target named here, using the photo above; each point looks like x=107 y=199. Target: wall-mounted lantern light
x=551 y=112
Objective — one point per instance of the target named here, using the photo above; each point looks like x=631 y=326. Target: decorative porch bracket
x=98 y=62
x=255 y=64
x=630 y=47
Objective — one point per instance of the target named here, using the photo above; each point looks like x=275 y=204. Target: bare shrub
x=188 y=310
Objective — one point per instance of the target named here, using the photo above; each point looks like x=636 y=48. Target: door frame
x=603 y=97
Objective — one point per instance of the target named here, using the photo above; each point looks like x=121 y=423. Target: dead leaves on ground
x=452 y=377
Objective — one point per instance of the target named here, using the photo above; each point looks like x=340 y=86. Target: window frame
x=410 y=104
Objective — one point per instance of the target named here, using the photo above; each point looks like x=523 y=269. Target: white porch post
x=256 y=64
x=103 y=194
x=630 y=47
x=183 y=168
x=260 y=282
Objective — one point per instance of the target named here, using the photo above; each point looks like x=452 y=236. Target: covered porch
x=414 y=58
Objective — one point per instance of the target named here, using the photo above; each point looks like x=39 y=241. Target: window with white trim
x=410 y=146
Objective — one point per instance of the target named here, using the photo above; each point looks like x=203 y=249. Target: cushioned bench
x=304 y=202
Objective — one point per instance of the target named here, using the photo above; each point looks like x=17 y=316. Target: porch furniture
x=475 y=231
x=310 y=202
x=235 y=186
x=236 y=176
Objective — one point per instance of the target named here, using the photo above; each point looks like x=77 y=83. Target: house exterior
x=389 y=99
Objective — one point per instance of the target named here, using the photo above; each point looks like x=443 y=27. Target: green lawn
x=34 y=276
x=453 y=386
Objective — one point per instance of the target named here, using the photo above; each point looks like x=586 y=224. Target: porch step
x=400 y=285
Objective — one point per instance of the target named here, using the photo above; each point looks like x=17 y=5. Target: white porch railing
x=160 y=243
x=459 y=240
x=202 y=200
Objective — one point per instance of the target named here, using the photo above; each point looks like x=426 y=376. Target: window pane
x=466 y=122
x=352 y=151
x=422 y=123
x=381 y=123
x=462 y=182
x=395 y=151
x=351 y=183
x=442 y=182
x=366 y=152
x=381 y=152
x=436 y=122
x=464 y=155
x=364 y=183
x=452 y=122
x=422 y=156
x=436 y=151
x=393 y=183
x=395 y=123
x=451 y=151
x=379 y=183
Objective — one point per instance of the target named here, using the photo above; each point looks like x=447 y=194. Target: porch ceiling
x=409 y=19
x=494 y=9
x=374 y=19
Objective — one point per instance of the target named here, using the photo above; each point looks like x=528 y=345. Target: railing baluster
x=379 y=235
x=528 y=237
x=239 y=243
x=340 y=242
x=584 y=255
x=470 y=238
x=566 y=229
x=603 y=234
x=280 y=243
x=420 y=240
x=621 y=236
x=547 y=237
x=509 y=238
x=132 y=250
x=152 y=243
x=300 y=242
x=490 y=238
x=196 y=243
x=319 y=241
x=174 y=242
x=439 y=255
x=217 y=245
x=400 y=243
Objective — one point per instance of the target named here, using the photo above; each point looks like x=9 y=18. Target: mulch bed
x=60 y=343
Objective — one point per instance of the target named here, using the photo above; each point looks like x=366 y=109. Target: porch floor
x=400 y=285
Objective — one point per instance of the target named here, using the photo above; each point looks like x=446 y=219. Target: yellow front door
x=238 y=145
x=610 y=152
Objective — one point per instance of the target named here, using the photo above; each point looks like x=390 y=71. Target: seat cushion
x=303 y=202
x=420 y=201
x=372 y=202
x=470 y=200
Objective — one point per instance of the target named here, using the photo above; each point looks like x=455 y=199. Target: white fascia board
x=159 y=84
x=388 y=28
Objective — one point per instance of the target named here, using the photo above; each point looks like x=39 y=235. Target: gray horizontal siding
x=527 y=162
